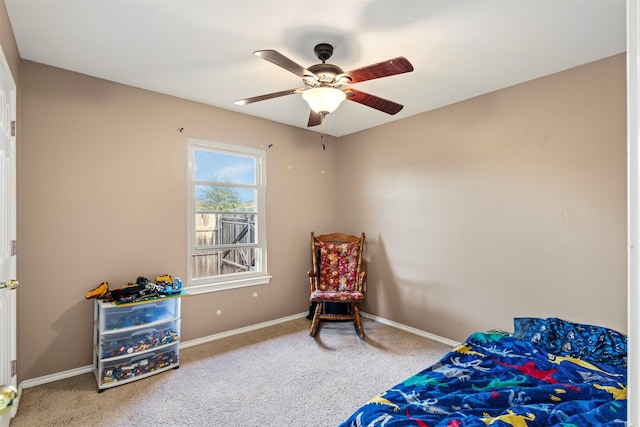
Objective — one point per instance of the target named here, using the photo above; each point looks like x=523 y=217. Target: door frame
x=4 y=66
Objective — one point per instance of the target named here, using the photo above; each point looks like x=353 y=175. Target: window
x=226 y=199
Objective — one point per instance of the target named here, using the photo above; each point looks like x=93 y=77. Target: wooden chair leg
x=357 y=320
x=316 y=319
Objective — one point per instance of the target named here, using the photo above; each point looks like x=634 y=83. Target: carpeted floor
x=275 y=376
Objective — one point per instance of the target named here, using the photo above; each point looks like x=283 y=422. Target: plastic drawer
x=118 y=317
x=121 y=370
x=130 y=342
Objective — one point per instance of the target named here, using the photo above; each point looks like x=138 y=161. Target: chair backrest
x=337 y=261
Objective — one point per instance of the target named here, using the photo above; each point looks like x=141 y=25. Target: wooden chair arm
x=361 y=283
x=313 y=280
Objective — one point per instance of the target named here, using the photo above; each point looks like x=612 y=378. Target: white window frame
x=235 y=280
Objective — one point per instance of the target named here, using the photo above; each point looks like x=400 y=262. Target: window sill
x=224 y=286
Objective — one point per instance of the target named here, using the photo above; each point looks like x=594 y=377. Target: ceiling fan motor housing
x=326 y=73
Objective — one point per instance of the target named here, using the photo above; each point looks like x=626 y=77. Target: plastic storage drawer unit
x=134 y=341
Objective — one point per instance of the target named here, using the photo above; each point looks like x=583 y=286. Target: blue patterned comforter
x=494 y=379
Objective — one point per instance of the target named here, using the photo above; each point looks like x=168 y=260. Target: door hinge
x=14 y=248
x=13 y=128
x=14 y=368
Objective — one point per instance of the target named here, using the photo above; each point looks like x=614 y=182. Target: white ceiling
x=203 y=50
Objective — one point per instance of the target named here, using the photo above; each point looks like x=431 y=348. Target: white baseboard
x=56 y=377
x=185 y=344
x=412 y=330
x=214 y=337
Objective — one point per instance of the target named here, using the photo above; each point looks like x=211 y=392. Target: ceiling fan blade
x=391 y=67
x=268 y=96
x=284 y=62
x=373 y=101
x=314 y=119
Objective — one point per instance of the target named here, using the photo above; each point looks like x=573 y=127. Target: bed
x=548 y=372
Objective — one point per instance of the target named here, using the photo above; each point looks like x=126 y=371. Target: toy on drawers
x=134 y=341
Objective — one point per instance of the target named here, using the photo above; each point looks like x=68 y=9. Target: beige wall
x=509 y=204
x=102 y=169
x=8 y=42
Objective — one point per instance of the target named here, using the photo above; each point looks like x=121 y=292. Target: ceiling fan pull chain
x=322 y=130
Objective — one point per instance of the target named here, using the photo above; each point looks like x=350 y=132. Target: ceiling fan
x=326 y=85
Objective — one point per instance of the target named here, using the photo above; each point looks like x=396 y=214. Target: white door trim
x=9 y=341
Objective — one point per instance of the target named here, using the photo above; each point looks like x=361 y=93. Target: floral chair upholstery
x=337 y=276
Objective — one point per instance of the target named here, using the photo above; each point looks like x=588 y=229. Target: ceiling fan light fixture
x=324 y=99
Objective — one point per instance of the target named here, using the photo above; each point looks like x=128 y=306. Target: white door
x=7 y=239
